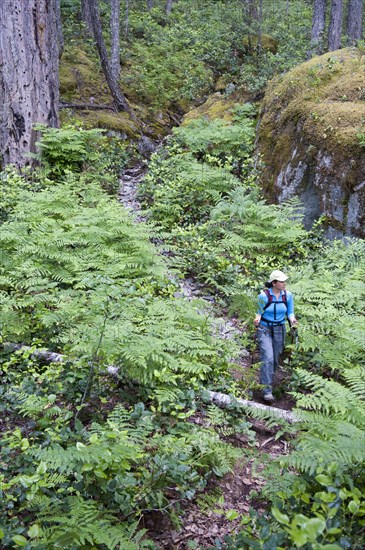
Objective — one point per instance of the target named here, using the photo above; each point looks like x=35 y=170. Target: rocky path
x=219 y=510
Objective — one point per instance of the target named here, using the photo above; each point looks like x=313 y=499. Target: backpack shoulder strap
x=269 y=298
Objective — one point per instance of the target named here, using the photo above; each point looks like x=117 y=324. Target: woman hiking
x=275 y=304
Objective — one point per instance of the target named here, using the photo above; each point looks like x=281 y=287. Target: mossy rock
x=309 y=136
x=119 y=122
x=324 y=91
x=268 y=43
x=216 y=106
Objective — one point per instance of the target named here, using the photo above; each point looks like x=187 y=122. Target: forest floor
x=218 y=511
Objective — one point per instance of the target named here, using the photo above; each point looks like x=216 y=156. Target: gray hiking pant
x=271 y=342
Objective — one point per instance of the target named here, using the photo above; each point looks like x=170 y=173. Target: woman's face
x=278 y=285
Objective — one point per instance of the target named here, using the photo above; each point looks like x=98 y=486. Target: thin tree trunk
x=149 y=4
x=29 y=81
x=120 y=101
x=85 y=15
x=126 y=28
x=259 y=29
x=318 y=25
x=335 y=28
x=168 y=6
x=354 y=21
x=115 y=39
x=59 y=29
x=251 y=19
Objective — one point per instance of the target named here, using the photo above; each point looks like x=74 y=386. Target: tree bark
x=29 y=80
x=126 y=26
x=318 y=25
x=354 y=21
x=168 y=6
x=59 y=29
x=120 y=101
x=115 y=39
x=251 y=17
x=149 y=4
x=85 y=15
x=259 y=29
x=335 y=28
x=222 y=400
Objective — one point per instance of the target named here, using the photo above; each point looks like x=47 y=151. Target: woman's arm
x=290 y=303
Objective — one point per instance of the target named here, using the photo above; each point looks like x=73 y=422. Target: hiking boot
x=268 y=397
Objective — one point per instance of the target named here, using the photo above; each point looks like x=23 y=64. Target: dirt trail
x=211 y=516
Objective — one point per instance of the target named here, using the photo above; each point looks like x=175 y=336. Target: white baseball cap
x=278 y=275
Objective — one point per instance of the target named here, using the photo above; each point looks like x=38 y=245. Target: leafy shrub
x=222 y=231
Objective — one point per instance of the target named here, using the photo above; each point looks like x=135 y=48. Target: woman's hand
x=257 y=320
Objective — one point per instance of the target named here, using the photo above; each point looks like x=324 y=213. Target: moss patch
x=81 y=78
x=268 y=43
x=324 y=94
x=216 y=106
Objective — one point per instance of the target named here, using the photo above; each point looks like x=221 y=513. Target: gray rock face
x=312 y=140
x=326 y=183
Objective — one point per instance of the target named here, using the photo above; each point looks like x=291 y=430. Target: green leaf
x=24 y=445
x=20 y=540
x=42 y=468
x=281 y=518
x=353 y=507
x=34 y=531
x=94 y=438
x=232 y=514
x=315 y=527
x=323 y=480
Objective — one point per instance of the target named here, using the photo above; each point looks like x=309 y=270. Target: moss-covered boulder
x=310 y=137
x=267 y=43
x=217 y=106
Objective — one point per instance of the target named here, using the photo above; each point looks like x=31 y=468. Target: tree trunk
x=120 y=101
x=223 y=400
x=168 y=6
x=115 y=39
x=318 y=25
x=85 y=15
x=259 y=29
x=29 y=81
x=354 y=21
x=149 y=4
x=59 y=28
x=126 y=27
x=251 y=17
x=335 y=28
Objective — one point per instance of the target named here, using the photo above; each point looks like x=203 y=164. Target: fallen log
x=44 y=355
x=220 y=399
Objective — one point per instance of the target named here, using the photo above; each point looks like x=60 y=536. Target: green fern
x=79 y=523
